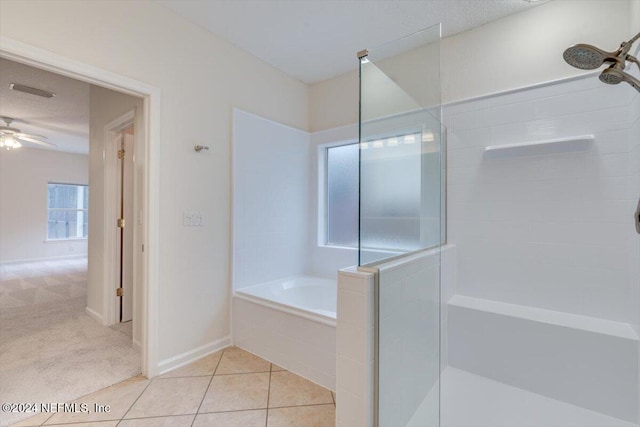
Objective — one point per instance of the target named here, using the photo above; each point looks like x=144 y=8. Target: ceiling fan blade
x=36 y=141
x=29 y=135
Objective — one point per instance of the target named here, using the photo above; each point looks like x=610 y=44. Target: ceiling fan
x=10 y=137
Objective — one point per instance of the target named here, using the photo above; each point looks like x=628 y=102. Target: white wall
x=512 y=52
x=546 y=229
x=24 y=175
x=270 y=200
x=201 y=78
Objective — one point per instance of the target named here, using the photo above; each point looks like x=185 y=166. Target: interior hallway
x=230 y=388
x=50 y=349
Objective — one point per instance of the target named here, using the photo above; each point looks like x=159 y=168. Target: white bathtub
x=292 y=323
x=311 y=297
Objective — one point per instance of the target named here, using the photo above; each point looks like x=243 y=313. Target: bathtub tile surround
x=270 y=200
x=279 y=312
x=196 y=395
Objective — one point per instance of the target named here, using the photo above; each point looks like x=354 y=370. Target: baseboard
x=94 y=315
x=187 y=357
x=50 y=258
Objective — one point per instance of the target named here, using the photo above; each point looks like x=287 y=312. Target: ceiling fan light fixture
x=9 y=142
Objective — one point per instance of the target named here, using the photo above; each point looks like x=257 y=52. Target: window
x=401 y=193
x=342 y=195
x=67 y=211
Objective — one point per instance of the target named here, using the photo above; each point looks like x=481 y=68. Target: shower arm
x=625 y=47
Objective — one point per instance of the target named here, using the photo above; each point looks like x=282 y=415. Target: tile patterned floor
x=230 y=388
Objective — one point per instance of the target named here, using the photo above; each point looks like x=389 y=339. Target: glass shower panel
x=401 y=216
x=401 y=179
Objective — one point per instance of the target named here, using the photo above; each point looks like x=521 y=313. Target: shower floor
x=469 y=400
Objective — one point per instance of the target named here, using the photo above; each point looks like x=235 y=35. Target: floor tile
x=236 y=361
x=173 y=421
x=92 y=424
x=170 y=396
x=232 y=419
x=275 y=368
x=237 y=392
x=202 y=367
x=333 y=396
x=118 y=397
x=289 y=389
x=307 y=416
x=35 y=420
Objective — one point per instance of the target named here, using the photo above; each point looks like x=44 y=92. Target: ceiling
x=313 y=40
x=63 y=119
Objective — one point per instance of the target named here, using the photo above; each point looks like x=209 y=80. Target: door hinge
x=119 y=292
x=121 y=154
x=120 y=223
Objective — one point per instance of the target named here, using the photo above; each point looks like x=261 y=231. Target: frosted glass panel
x=401 y=213
x=342 y=200
x=391 y=212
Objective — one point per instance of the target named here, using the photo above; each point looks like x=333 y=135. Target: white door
x=125 y=233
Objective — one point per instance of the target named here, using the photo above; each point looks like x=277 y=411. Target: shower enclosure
x=401 y=221
x=498 y=236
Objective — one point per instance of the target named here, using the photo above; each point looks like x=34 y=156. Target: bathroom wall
x=513 y=52
x=24 y=175
x=271 y=181
x=547 y=229
x=201 y=78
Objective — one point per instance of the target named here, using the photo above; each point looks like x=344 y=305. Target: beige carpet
x=50 y=349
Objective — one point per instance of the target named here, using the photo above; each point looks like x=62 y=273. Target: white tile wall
x=409 y=331
x=271 y=204
x=355 y=351
x=548 y=230
x=409 y=334
x=634 y=193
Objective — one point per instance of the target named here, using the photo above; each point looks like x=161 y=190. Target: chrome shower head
x=586 y=56
x=614 y=75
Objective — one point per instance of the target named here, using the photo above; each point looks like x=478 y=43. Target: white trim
x=191 y=356
x=50 y=258
x=94 y=315
x=110 y=193
x=49 y=61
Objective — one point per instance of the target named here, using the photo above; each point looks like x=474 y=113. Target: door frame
x=30 y=55
x=111 y=307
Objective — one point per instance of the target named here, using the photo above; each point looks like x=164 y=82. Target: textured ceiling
x=63 y=119
x=313 y=40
